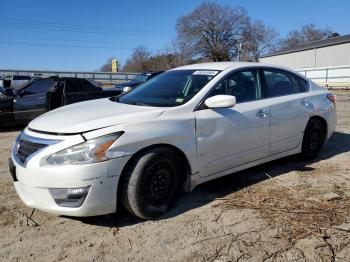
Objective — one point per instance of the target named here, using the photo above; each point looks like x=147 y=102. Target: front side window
x=279 y=83
x=244 y=85
x=37 y=87
x=172 y=88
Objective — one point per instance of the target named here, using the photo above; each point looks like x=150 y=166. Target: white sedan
x=184 y=127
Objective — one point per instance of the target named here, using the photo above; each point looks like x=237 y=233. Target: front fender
x=179 y=133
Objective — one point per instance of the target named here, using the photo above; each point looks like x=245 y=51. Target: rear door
x=290 y=108
x=31 y=100
x=77 y=90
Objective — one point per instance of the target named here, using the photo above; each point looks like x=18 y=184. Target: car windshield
x=140 y=78
x=172 y=88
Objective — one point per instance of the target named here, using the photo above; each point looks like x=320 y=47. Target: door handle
x=262 y=113
x=40 y=98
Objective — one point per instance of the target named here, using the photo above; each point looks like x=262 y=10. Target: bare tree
x=142 y=60
x=164 y=61
x=138 y=60
x=258 y=39
x=211 y=31
x=308 y=33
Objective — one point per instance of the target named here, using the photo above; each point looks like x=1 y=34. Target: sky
x=80 y=35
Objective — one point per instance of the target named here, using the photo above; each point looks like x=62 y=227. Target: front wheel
x=150 y=183
x=314 y=137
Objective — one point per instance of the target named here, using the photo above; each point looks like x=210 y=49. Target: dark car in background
x=138 y=80
x=42 y=95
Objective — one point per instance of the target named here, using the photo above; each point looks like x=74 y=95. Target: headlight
x=127 y=89
x=91 y=151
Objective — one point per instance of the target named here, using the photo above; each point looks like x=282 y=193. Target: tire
x=313 y=140
x=150 y=183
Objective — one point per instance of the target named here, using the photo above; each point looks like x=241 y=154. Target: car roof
x=151 y=72
x=62 y=77
x=225 y=65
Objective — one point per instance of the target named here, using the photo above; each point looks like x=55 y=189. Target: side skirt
x=195 y=179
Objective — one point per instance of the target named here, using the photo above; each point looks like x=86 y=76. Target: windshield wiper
x=114 y=99
x=137 y=103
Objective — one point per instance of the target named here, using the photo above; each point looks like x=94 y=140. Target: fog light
x=69 y=197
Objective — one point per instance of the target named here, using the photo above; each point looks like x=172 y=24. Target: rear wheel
x=150 y=183
x=314 y=137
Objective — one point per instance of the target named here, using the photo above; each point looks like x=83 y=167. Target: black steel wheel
x=313 y=140
x=150 y=183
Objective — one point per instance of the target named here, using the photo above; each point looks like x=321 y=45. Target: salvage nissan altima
x=184 y=127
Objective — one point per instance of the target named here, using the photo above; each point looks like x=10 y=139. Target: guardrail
x=337 y=76
x=99 y=76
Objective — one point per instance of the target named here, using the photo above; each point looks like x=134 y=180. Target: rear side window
x=279 y=83
x=303 y=85
x=244 y=85
x=80 y=85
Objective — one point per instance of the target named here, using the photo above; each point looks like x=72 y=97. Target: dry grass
x=290 y=211
x=7 y=217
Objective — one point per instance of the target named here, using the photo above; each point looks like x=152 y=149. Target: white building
x=327 y=61
x=331 y=52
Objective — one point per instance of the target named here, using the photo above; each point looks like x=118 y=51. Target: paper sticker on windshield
x=206 y=73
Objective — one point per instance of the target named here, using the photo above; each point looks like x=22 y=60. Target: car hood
x=92 y=115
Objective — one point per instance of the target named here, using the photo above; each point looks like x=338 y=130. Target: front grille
x=25 y=148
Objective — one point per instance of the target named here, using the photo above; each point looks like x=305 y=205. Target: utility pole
x=239 y=40
x=115 y=67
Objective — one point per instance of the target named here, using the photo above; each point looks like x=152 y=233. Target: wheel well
x=185 y=165
x=323 y=121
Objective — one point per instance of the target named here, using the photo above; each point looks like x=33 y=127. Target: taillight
x=332 y=98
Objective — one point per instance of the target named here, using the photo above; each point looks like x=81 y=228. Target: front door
x=6 y=116
x=230 y=137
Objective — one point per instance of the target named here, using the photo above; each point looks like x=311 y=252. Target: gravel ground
x=229 y=219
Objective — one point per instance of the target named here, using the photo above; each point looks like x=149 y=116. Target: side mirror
x=127 y=89
x=220 y=101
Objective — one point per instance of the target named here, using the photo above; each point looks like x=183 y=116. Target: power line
x=81 y=27
x=53 y=39
x=25 y=26
x=84 y=26
x=65 y=46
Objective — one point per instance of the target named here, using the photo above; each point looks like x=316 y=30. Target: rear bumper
x=331 y=118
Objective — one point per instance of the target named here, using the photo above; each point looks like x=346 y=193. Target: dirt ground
x=287 y=210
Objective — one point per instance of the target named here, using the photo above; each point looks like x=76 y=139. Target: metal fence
x=337 y=76
x=98 y=76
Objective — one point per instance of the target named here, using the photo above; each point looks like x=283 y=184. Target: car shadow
x=205 y=193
